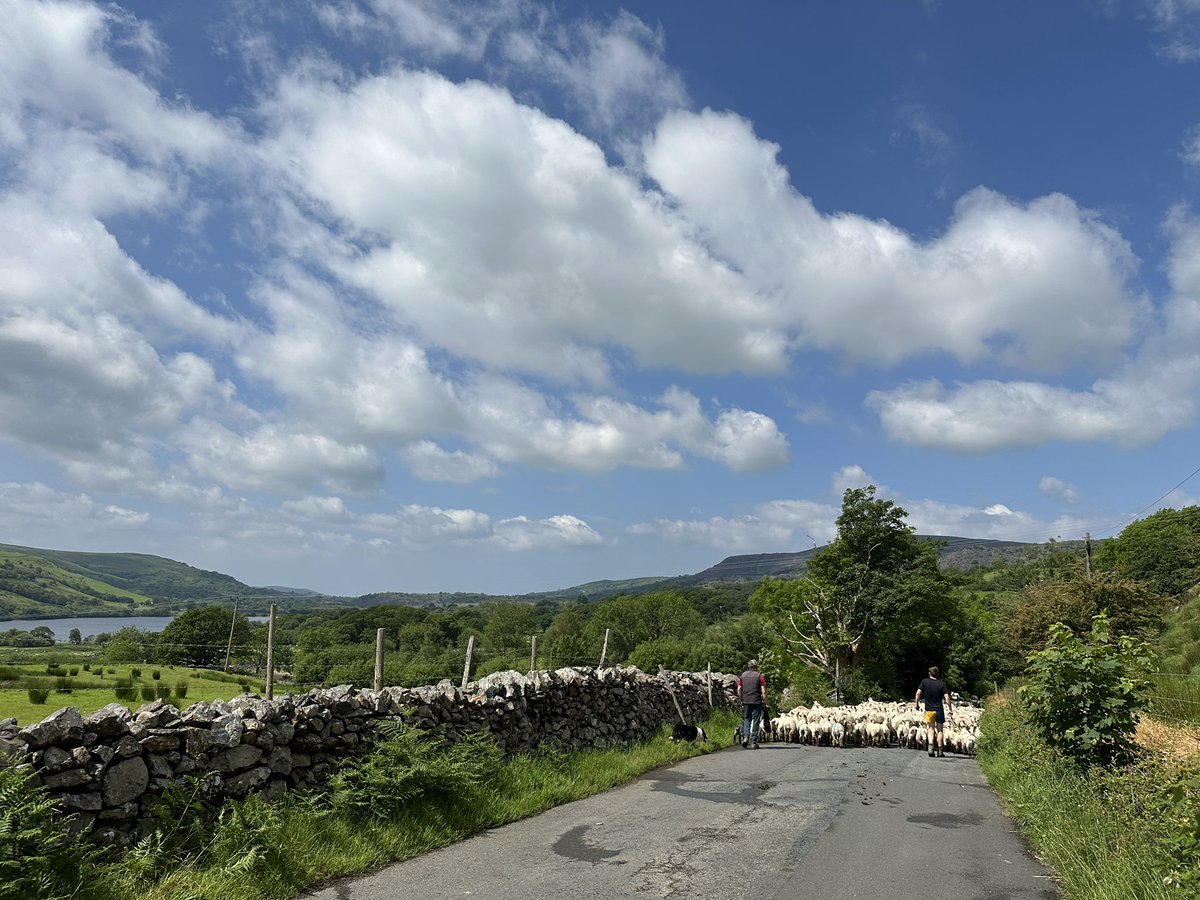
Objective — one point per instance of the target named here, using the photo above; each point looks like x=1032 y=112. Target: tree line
x=870 y=613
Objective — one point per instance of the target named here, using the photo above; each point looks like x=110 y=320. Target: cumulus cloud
x=1060 y=489
x=988 y=415
x=503 y=236
x=1040 y=284
x=428 y=461
x=774 y=526
x=521 y=533
x=41 y=511
x=278 y=459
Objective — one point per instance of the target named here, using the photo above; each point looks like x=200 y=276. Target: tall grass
x=1102 y=832
x=1175 y=698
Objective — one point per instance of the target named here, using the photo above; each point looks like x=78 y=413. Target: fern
x=36 y=858
x=406 y=768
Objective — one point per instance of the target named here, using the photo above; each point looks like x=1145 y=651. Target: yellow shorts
x=930 y=716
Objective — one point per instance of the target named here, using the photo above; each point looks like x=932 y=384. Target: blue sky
x=406 y=295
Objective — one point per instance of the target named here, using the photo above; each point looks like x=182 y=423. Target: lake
x=96 y=624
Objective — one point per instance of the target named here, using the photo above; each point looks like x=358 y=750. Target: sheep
x=873 y=723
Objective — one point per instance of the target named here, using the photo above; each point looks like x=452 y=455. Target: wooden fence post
x=379 y=659
x=533 y=653
x=271 y=655
x=603 y=650
x=467 y=667
x=667 y=684
x=709 y=680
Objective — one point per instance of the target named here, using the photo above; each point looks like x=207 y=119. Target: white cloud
x=985 y=416
x=989 y=415
x=615 y=71
x=917 y=124
x=1178 y=22
x=1060 y=489
x=278 y=459
x=53 y=58
x=774 y=526
x=430 y=462
x=854 y=477
x=1039 y=284
x=503 y=236
x=1190 y=153
x=521 y=533
x=41 y=512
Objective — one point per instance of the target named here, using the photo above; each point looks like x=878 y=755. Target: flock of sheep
x=873 y=724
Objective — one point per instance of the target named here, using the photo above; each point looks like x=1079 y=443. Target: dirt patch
x=1169 y=738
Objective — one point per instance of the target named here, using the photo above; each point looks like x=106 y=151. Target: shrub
x=148 y=692
x=135 y=672
x=87 y=667
x=245 y=686
x=52 y=668
x=73 y=671
x=38 y=695
x=162 y=691
x=112 y=671
x=62 y=685
x=156 y=674
x=1083 y=697
x=125 y=691
x=181 y=689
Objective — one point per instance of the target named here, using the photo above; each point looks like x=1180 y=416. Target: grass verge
x=422 y=799
x=1105 y=834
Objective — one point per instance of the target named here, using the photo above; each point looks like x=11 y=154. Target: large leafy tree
x=1162 y=550
x=632 y=619
x=201 y=637
x=1133 y=608
x=875 y=590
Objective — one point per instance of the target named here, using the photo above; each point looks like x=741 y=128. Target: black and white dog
x=691 y=733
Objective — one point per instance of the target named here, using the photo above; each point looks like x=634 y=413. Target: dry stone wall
x=106 y=769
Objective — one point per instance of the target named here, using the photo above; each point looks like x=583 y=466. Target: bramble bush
x=1083 y=696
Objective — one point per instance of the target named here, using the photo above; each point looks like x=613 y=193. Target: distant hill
x=37 y=583
x=955 y=553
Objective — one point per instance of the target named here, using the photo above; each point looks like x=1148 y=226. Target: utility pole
x=378 y=659
x=271 y=655
x=1087 y=548
x=232 y=622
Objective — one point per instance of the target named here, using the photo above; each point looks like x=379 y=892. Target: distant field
x=91 y=690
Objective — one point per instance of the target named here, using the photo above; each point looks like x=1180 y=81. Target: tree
x=200 y=637
x=509 y=627
x=130 y=644
x=876 y=582
x=1162 y=550
x=75 y=636
x=1133 y=608
x=567 y=642
x=633 y=619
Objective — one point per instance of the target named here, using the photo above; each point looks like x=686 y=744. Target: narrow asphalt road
x=784 y=821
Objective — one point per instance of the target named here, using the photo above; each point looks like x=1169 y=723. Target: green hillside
x=32 y=586
x=36 y=583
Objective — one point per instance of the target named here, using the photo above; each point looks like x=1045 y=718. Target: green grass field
x=89 y=690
